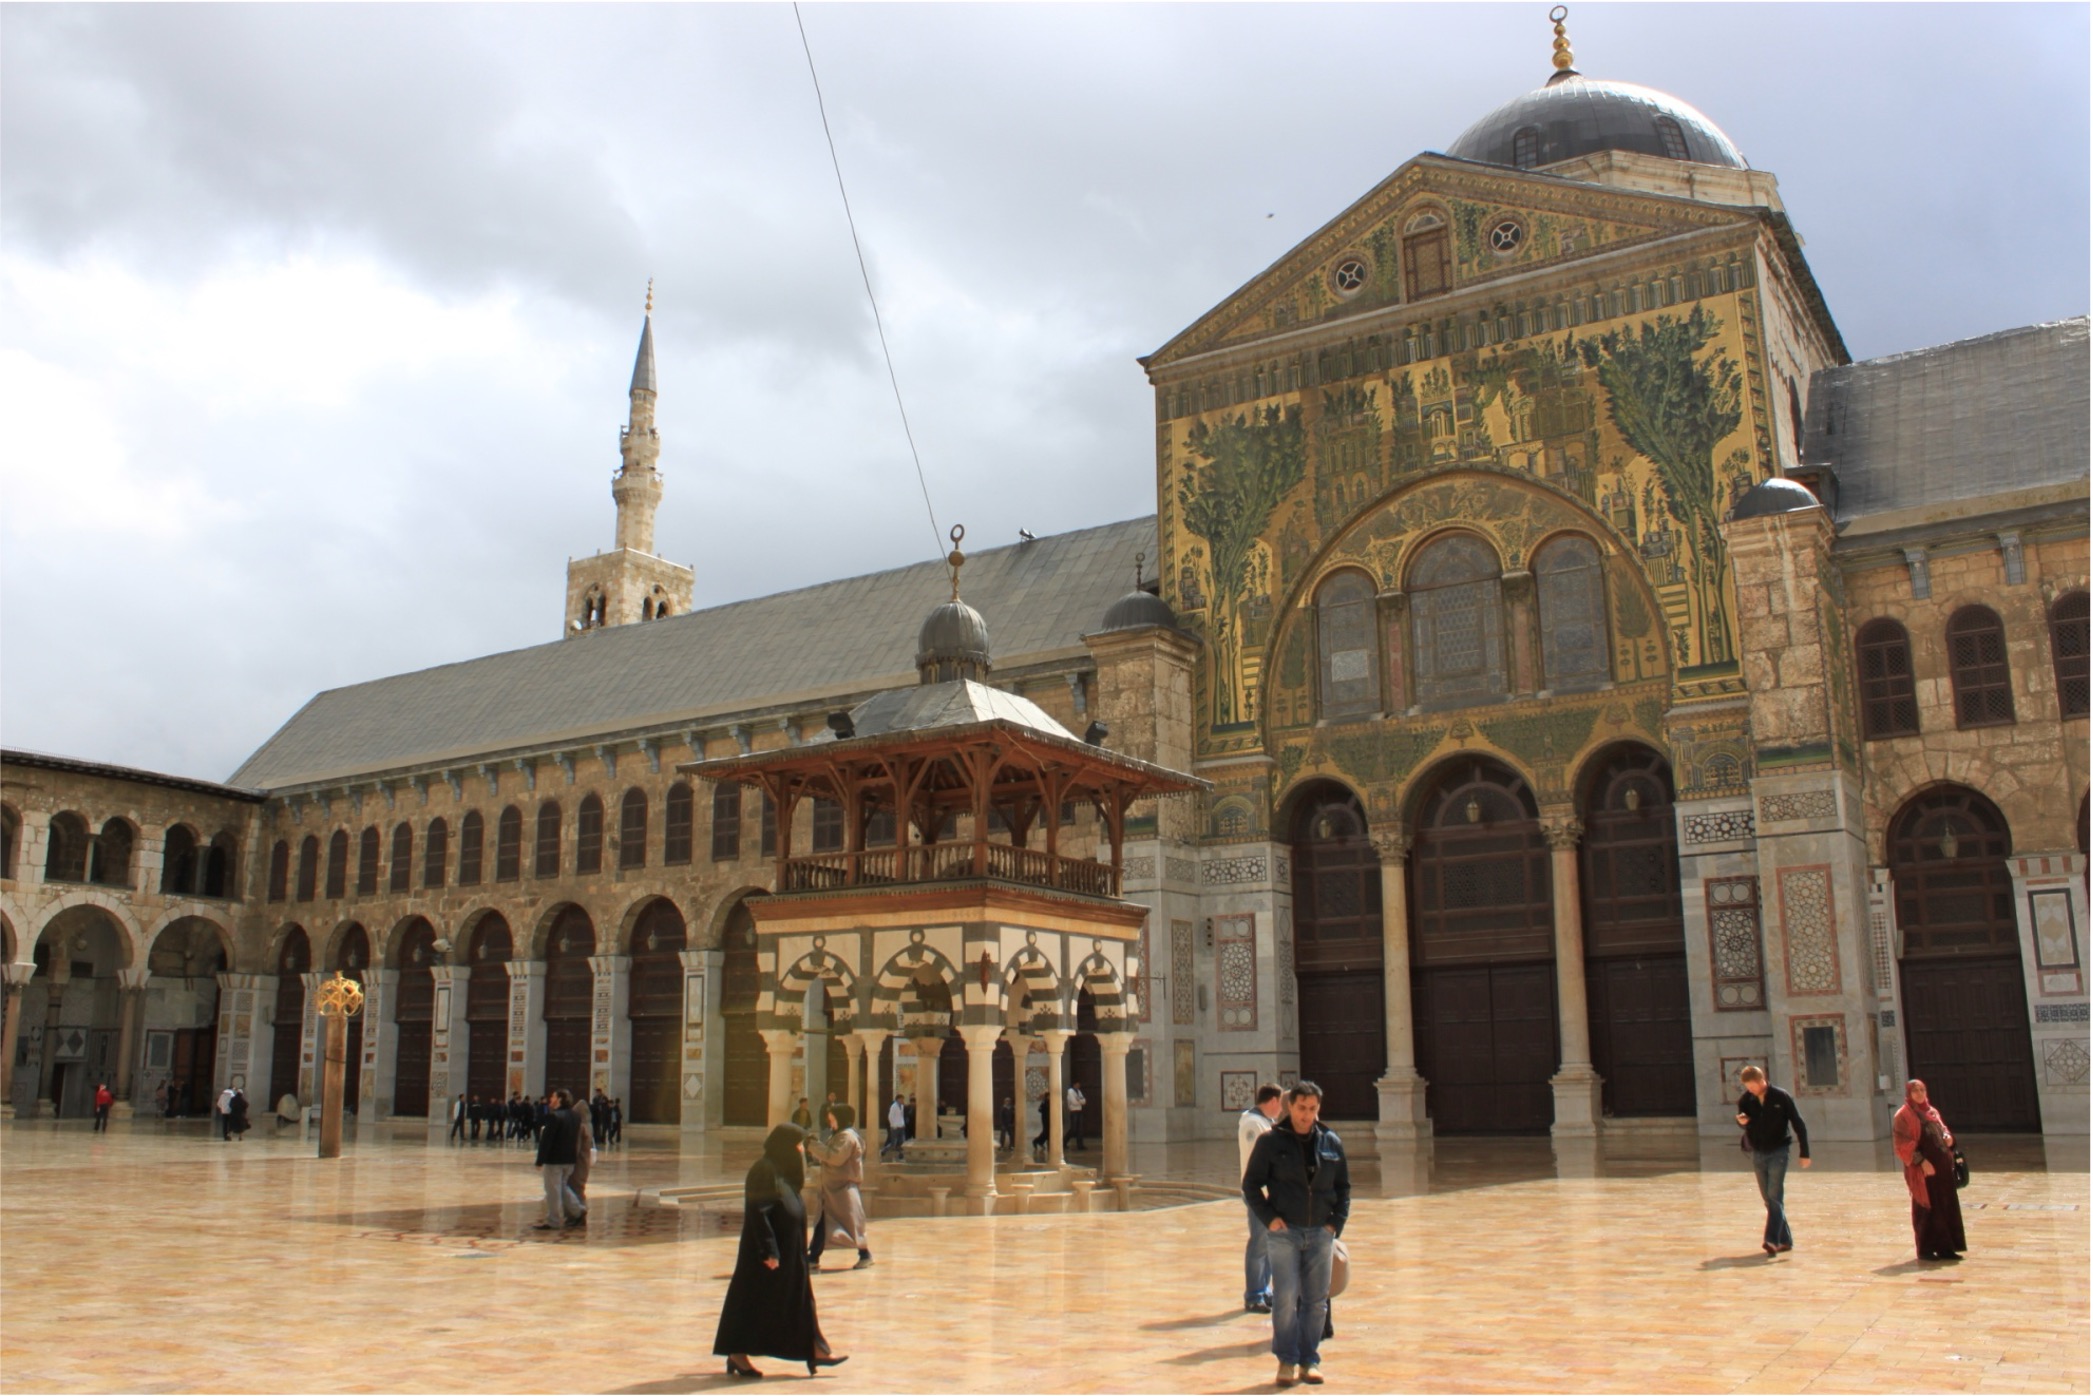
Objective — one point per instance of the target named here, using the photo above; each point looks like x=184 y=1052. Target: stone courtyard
x=156 y=1258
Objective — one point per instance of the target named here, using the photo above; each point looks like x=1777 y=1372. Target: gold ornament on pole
x=336 y=1002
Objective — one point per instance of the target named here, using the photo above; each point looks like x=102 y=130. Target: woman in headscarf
x=842 y=1176
x=1926 y=1149
x=770 y=1301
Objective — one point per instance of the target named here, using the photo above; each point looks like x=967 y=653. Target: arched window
x=1344 y=629
x=588 y=836
x=178 y=862
x=436 y=852
x=309 y=868
x=472 y=847
x=632 y=829
x=1526 y=147
x=547 y=861
x=726 y=822
x=677 y=816
x=402 y=856
x=1672 y=138
x=2067 y=650
x=112 y=855
x=1572 y=590
x=218 y=864
x=65 y=852
x=1977 y=665
x=279 y=871
x=1889 y=703
x=508 y=845
x=10 y=840
x=828 y=825
x=367 y=852
x=1456 y=623
x=1947 y=850
x=1427 y=258
x=338 y=863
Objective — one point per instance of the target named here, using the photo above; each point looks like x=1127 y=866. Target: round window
x=1349 y=276
x=1507 y=237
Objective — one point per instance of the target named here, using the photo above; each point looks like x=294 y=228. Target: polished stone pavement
x=156 y=1258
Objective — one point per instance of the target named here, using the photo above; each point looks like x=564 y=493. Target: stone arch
x=332 y=945
x=168 y=921
x=1427 y=782
x=715 y=932
x=820 y=965
x=541 y=929
x=627 y=925
x=278 y=938
x=130 y=933
x=2025 y=803
x=887 y=1004
x=1030 y=972
x=11 y=920
x=1107 y=989
x=385 y=948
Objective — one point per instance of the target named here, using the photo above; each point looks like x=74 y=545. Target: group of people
x=520 y=1120
x=901 y=1122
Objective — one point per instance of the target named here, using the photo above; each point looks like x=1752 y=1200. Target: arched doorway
x=1965 y=1005
x=352 y=955
x=656 y=1010
x=414 y=1014
x=1338 y=951
x=746 y=1098
x=570 y=1002
x=1086 y=1070
x=1635 y=937
x=77 y=958
x=182 y=1001
x=487 y=1008
x=1483 y=953
x=293 y=963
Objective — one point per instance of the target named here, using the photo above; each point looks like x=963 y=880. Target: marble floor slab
x=156 y=1258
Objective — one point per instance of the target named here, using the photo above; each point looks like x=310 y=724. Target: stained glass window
x=1344 y=620
x=1573 y=615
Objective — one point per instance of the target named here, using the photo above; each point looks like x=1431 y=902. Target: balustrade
x=946 y=862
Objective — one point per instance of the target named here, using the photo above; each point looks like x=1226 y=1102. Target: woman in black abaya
x=769 y=1308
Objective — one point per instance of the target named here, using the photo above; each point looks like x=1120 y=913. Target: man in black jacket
x=1299 y=1186
x=556 y=1156
x=1767 y=1113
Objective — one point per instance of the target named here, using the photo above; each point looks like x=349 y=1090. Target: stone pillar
x=928 y=1052
x=610 y=1027
x=241 y=1004
x=17 y=979
x=381 y=1040
x=854 y=1075
x=1576 y=1084
x=311 y=1051
x=526 y=1025
x=449 y=1046
x=781 y=1043
x=131 y=985
x=699 y=1107
x=333 y=1070
x=262 y=1088
x=981 y=1117
x=1055 y=1041
x=1401 y=1089
x=2049 y=899
x=866 y=1043
x=1115 y=1046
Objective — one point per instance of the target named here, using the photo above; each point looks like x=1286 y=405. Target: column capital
x=1054 y=1039
x=525 y=969
x=1115 y=1044
x=1391 y=841
x=700 y=959
x=450 y=974
x=610 y=964
x=779 y=1039
x=981 y=1037
x=1562 y=832
x=133 y=980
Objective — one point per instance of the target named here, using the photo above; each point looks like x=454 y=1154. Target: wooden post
x=337 y=1052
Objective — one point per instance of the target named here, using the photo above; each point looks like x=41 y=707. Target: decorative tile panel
x=1235 y=967
x=1798 y=804
x=1734 y=943
x=1184 y=1074
x=1223 y=871
x=2064 y=1062
x=1139 y=869
x=1238 y=1090
x=1724 y=826
x=1822 y=1065
x=1182 y=987
x=1145 y=982
x=1809 y=931
x=2060 y=1013
x=1283 y=970
x=1180 y=870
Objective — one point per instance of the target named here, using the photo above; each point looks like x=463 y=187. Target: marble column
x=1575 y=1083
x=449 y=1044
x=610 y=1027
x=981 y=1117
x=853 y=1075
x=1115 y=1046
x=381 y=1038
x=929 y=1050
x=1055 y=1041
x=704 y=1060
x=17 y=978
x=526 y=1065
x=872 y=1126
x=240 y=1006
x=781 y=1043
x=1401 y=1089
x=131 y=985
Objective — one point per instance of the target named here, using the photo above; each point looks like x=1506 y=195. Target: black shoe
x=831 y=1360
x=736 y=1370
x=1258 y=1306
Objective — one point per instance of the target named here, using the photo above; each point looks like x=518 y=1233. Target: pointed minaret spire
x=637 y=487
x=643 y=366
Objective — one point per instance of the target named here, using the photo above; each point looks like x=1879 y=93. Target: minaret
x=629 y=583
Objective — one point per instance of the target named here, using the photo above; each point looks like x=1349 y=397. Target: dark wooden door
x=487 y=1057
x=1642 y=1034
x=746 y=1100
x=1966 y=1026
x=1344 y=1040
x=290 y=1037
x=1086 y=1068
x=566 y=1055
x=196 y=1061
x=352 y=1066
x=657 y=1049
x=570 y=1005
x=411 y=1058
x=1486 y=1043
x=952 y=1075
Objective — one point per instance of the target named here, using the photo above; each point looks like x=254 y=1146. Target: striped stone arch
x=888 y=1008
x=785 y=994
x=1107 y=991
x=1031 y=971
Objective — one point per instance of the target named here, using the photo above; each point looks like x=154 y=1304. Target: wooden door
x=1967 y=1031
x=196 y=1061
x=952 y=1074
x=352 y=1065
x=657 y=1050
x=566 y=1056
x=1338 y=954
x=284 y=1057
x=1642 y=1034
x=487 y=1057
x=411 y=1059
x=1486 y=1044
x=1344 y=1041
x=746 y=1099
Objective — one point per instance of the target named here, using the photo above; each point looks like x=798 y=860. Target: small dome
x=953 y=644
x=1575 y=115
x=1775 y=496
x=1137 y=610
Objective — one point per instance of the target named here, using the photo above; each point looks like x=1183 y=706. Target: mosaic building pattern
x=1183 y=987
x=1807 y=931
x=1734 y=941
x=1235 y=969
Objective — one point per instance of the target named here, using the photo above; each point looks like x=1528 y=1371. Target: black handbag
x=1961 y=1171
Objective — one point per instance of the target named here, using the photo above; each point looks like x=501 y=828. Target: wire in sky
x=937 y=539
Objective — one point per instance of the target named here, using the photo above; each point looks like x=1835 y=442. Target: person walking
x=803 y=1117
x=458 y=1110
x=1767 y=1113
x=1006 y=1124
x=1046 y=1127
x=584 y=1155
x=104 y=1099
x=842 y=1160
x=236 y=1115
x=1257 y=1263
x=617 y=1120
x=555 y=1163
x=1926 y=1148
x=225 y=1115
x=1076 y=1102
x=769 y=1308
x=897 y=1129
x=1299 y=1186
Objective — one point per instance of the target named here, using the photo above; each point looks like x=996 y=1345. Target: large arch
x=1482 y=936
x=1338 y=948
x=293 y=961
x=1966 y=1031
x=570 y=1000
x=413 y=958
x=745 y=1064
x=349 y=955
x=489 y=946
x=656 y=941
x=178 y=1027
x=79 y=953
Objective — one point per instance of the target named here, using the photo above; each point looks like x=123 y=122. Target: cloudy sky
x=315 y=322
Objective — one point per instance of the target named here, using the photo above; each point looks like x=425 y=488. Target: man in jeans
x=1298 y=1185
x=1257 y=1266
x=1767 y=1113
x=557 y=1154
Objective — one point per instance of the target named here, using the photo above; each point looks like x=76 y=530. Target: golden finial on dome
x=956 y=559
x=1562 y=38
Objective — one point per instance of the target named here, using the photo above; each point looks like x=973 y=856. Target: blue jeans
x=1257 y=1263
x=1770 y=1166
x=561 y=1205
x=1300 y=1259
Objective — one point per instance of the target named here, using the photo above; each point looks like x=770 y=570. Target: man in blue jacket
x=1298 y=1185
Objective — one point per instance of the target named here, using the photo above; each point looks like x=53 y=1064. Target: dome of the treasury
x=1137 y=610
x=953 y=643
x=1574 y=115
x=1774 y=496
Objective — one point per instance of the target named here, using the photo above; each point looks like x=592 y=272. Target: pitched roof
x=836 y=639
x=1967 y=420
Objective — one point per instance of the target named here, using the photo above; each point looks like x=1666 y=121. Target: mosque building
x=1585 y=680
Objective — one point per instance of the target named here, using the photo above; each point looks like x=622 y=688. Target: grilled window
x=1889 y=704
x=436 y=851
x=1344 y=626
x=632 y=829
x=508 y=845
x=769 y=838
x=1456 y=624
x=1428 y=263
x=726 y=822
x=675 y=824
x=1977 y=664
x=338 y=863
x=1526 y=147
x=1572 y=594
x=308 y=868
x=547 y=861
x=402 y=856
x=279 y=871
x=472 y=841
x=2067 y=648
x=588 y=836
x=367 y=851
x=1673 y=138
x=828 y=825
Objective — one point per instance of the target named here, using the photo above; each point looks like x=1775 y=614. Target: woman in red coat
x=1925 y=1148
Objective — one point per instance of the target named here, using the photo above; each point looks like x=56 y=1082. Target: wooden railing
x=946 y=862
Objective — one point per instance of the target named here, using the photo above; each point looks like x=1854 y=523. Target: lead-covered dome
x=953 y=644
x=1575 y=115
x=1774 y=496
x=1137 y=610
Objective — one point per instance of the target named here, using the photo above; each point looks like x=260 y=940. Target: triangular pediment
x=1498 y=224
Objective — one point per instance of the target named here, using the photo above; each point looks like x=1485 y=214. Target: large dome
x=1575 y=115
